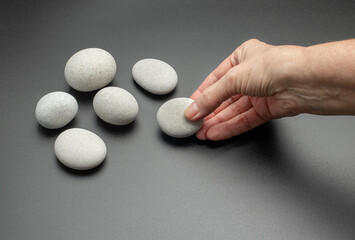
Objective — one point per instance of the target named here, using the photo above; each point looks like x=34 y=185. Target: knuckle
x=213 y=77
x=252 y=42
x=233 y=59
x=219 y=119
x=231 y=83
x=235 y=98
x=230 y=77
x=238 y=54
x=206 y=98
x=243 y=120
x=242 y=52
x=236 y=108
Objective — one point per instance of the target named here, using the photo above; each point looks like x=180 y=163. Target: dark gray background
x=292 y=178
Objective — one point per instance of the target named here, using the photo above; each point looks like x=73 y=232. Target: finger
x=224 y=105
x=213 y=77
x=214 y=95
x=234 y=109
x=235 y=126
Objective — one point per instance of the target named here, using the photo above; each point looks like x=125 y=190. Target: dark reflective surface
x=292 y=178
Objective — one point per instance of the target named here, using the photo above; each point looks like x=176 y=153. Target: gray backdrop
x=292 y=178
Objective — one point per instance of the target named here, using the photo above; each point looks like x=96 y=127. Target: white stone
x=115 y=105
x=172 y=121
x=80 y=149
x=155 y=76
x=56 y=109
x=90 y=69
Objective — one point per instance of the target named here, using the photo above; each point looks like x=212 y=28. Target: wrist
x=332 y=69
x=321 y=79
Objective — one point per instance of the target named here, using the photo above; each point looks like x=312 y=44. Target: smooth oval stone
x=172 y=121
x=90 y=69
x=80 y=149
x=56 y=109
x=115 y=105
x=155 y=76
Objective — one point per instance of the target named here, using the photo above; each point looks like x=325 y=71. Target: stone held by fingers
x=172 y=121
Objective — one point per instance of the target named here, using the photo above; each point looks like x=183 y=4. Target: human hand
x=259 y=82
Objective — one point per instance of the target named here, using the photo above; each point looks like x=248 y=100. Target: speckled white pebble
x=115 y=105
x=172 y=121
x=155 y=76
x=80 y=149
x=90 y=69
x=56 y=109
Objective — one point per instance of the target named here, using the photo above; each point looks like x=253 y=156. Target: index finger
x=214 y=76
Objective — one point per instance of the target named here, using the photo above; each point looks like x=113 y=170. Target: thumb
x=214 y=95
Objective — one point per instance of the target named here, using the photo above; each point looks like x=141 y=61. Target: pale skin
x=259 y=82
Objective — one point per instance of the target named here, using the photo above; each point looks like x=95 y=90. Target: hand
x=259 y=82
x=249 y=80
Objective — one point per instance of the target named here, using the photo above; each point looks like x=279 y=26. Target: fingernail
x=191 y=112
